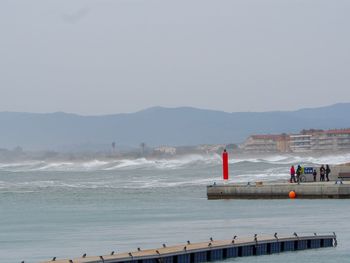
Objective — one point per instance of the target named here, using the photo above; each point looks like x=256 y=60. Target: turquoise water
x=65 y=212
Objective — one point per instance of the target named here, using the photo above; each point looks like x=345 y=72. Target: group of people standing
x=323 y=171
x=295 y=174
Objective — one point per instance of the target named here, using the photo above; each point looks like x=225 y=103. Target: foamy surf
x=33 y=181
x=184 y=162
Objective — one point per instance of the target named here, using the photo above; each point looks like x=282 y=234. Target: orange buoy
x=292 y=194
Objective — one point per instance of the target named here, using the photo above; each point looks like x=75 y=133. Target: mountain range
x=158 y=126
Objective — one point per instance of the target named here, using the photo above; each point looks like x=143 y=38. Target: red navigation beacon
x=225 y=165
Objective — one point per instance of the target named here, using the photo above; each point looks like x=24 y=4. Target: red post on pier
x=225 y=165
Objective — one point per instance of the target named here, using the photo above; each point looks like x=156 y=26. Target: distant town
x=306 y=141
x=312 y=140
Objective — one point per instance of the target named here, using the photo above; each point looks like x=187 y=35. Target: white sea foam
x=133 y=180
x=145 y=184
x=295 y=159
x=189 y=161
x=23 y=165
x=95 y=164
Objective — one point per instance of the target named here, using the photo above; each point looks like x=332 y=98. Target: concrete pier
x=279 y=190
x=213 y=250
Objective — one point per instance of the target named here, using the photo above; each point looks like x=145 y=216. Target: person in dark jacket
x=314 y=174
x=299 y=169
x=328 y=171
x=322 y=173
x=292 y=174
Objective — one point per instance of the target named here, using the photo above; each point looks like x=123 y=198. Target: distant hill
x=158 y=126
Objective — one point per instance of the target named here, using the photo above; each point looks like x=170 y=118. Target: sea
x=65 y=209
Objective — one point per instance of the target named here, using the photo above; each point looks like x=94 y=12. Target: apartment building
x=266 y=143
x=300 y=142
x=305 y=141
x=331 y=140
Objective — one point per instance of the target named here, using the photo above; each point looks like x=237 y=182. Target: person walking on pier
x=314 y=174
x=328 y=171
x=292 y=174
x=322 y=173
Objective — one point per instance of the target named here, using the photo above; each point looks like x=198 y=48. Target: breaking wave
x=120 y=183
x=142 y=173
x=107 y=165
x=190 y=161
x=295 y=159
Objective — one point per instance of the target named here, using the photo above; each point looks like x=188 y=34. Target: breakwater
x=279 y=190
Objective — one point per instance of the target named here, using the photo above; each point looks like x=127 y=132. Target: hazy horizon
x=174 y=108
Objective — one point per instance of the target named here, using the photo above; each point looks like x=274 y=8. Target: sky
x=95 y=57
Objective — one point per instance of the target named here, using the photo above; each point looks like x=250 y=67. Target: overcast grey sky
x=98 y=56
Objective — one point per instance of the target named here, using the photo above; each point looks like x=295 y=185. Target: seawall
x=279 y=190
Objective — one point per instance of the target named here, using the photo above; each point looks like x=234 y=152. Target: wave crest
x=190 y=161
